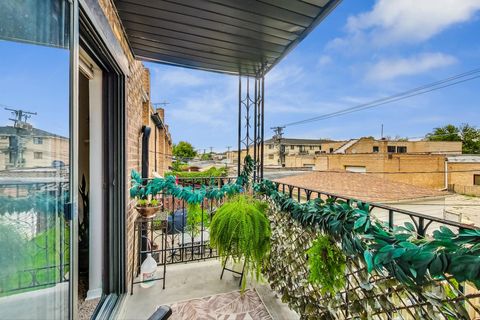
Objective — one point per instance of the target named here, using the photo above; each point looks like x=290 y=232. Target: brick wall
x=417 y=169
x=138 y=113
x=134 y=103
x=461 y=174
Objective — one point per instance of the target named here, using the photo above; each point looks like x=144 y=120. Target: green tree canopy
x=469 y=135
x=184 y=150
x=206 y=156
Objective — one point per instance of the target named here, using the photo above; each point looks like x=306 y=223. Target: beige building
x=370 y=145
x=290 y=152
x=22 y=146
x=460 y=173
x=463 y=174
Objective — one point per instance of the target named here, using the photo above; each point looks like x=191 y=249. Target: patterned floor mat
x=225 y=306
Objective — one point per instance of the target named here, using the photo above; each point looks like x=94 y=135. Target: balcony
x=197 y=287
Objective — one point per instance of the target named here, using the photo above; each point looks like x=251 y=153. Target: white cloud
x=388 y=69
x=405 y=21
x=324 y=60
x=283 y=75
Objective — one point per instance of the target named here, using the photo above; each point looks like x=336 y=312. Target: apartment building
x=420 y=163
x=371 y=145
x=23 y=146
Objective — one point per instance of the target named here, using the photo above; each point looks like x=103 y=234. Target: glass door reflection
x=34 y=159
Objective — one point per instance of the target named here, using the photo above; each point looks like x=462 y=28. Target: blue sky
x=364 y=50
x=35 y=78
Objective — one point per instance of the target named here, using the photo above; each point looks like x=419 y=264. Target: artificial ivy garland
x=400 y=252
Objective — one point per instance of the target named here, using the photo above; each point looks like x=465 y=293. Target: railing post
x=390 y=219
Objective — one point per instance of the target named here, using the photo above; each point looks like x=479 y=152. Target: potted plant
x=240 y=230
x=147 y=204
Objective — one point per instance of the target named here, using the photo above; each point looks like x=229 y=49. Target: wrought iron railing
x=394 y=216
x=186 y=243
x=33 y=213
x=372 y=296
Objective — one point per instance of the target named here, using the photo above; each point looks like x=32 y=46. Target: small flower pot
x=147 y=212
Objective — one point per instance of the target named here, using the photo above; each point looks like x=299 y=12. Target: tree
x=184 y=150
x=206 y=156
x=469 y=135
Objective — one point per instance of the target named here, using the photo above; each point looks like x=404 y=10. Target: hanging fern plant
x=240 y=230
x=327 y=265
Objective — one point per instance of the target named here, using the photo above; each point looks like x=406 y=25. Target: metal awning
x=246 y=37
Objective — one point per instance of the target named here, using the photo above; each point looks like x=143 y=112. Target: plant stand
x=152 y=230
x=233 y=271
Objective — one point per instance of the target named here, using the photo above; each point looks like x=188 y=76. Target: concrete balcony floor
x=196 y=280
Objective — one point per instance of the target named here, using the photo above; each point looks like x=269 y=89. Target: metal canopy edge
x=247 y=37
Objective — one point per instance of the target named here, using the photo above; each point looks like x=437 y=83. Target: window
x=292 y=147
x=375 y=149
x=320 y=147
x=402 y=149
x=270 y=146
x=38 y=155
x=356 y=169
x=391 y=149
x=37 y=140
x=271 y=156
x=476 y=179
x=331 y=150
x=311 y=147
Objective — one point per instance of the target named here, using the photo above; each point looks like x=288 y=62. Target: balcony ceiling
x=245 y=37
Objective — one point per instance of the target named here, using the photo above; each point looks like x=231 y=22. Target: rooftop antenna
x=161 y=104
x=228 y=148
x=20 y=115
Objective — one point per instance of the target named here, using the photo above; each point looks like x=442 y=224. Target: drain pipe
x=145 y=138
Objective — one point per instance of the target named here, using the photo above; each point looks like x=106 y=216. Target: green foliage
x=20 y=256
x=184 y=150
x=206 y=156
x=211 y=172
x=178 y=165
x=12 y=250
x=399 y=252
x=469 y=135
x=327 y=265
x=195 y=217
x=188 y=194
x=241 y=231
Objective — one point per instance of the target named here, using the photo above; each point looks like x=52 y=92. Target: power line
x=437 y=85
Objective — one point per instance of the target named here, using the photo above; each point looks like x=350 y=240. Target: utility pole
x=20 y=116
x=228 y=148
x=277 y=138
x=17 y=142
x=381 y=135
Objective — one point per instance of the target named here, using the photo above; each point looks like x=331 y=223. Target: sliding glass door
x=35 y=159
